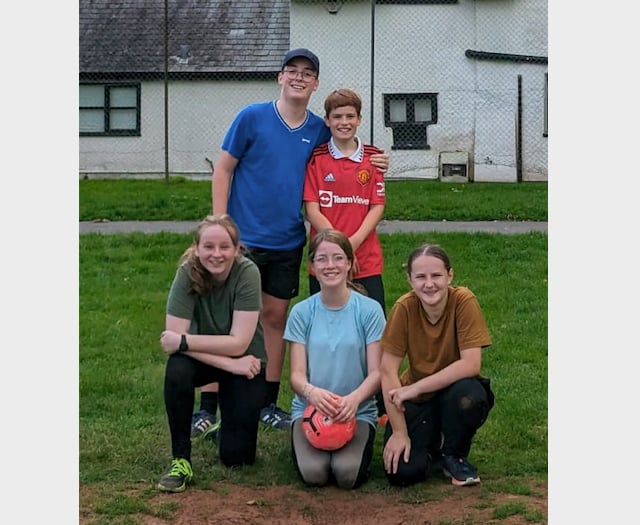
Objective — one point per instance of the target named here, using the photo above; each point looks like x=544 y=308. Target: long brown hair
x=201 y=280
x=337 y=237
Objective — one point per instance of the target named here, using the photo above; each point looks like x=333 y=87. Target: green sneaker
x=176 y=477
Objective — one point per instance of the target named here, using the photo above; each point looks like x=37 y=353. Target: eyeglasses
x=292 y=74
x=324 y=259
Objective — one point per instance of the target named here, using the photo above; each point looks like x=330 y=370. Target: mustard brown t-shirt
x=432 y=347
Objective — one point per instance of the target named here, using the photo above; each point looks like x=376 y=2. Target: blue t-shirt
x=265 y=198
x=336 y=346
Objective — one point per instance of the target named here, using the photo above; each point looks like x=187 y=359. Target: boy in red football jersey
x=343 y=190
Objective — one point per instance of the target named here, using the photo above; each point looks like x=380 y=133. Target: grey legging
x=348 y=466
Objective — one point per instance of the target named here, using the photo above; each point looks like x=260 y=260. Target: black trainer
x=461 y=472
x=275 y=417
x=204 y=425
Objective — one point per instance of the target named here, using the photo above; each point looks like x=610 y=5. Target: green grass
x=124 y=280
x=183 y=199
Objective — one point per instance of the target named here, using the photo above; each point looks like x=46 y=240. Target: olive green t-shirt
x=432 y=347
x=212 y=313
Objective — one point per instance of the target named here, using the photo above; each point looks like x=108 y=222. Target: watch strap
x=183 y=344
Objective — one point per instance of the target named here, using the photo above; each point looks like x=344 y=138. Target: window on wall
x=408 y=115
x=110 y=109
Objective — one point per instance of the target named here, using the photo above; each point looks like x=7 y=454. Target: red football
x=323 y=433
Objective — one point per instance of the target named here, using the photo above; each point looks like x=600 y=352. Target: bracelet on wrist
x=306 y=390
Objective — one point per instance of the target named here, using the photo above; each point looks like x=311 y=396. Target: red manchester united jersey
x=345 y=188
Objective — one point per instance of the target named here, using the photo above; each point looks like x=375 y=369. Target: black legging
x=240 y=402
x=453 y=415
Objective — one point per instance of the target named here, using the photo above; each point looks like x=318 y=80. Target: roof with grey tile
x=203 y=35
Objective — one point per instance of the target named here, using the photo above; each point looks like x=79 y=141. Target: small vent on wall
x=454 y=166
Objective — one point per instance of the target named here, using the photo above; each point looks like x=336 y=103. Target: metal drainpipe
x=166 y=91
x=371 y=78
x=519 y=133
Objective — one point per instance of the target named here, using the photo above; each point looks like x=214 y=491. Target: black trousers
x=240 y=400
x=445 y=424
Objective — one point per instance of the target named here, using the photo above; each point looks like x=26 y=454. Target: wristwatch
x=183 y=344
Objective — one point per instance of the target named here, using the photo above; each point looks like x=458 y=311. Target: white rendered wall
x=199 y=115
x=421 y=48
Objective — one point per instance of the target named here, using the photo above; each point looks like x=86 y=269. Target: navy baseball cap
x=302 y=52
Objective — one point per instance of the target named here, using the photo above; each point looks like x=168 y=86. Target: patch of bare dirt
x=230 y=505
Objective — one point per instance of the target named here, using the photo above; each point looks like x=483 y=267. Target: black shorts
x=279 y=270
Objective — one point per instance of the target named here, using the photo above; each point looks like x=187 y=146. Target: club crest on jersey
x=364 y=176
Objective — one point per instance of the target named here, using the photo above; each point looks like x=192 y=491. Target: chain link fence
x=455 y=90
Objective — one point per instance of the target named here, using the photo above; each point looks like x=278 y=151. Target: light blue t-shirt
x=265 y=198
x=336 y=344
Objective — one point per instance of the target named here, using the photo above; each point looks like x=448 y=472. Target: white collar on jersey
x=357 y=155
